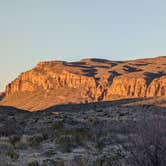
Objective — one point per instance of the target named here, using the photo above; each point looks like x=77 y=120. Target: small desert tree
x=147 y=146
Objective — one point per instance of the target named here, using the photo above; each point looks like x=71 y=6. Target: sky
x=41 y=30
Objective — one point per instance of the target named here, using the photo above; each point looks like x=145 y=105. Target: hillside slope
x=89 y=80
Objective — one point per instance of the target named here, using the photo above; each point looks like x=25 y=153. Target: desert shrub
x=66 y=143
x=29 y=141
x=147 y=145
x=74 y=137
x=99 y=145
x=46 y=134
x=108 y=161
x=4 y=139
x=6 y=146
x=52 y=162
x=79 y=135
x=50 y=152
x=21 y=145
x=35 y=140
x=90 y=160
x=81 y=161
x=12 y=154
x=8 y=150
x=14 y=139
x=33 y=163
x=4 y=161
x=57 y=125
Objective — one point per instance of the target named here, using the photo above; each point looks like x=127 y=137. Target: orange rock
x=89 y=80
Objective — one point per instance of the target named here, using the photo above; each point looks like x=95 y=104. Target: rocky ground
x=98 y=134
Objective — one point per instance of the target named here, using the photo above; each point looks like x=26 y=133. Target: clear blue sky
x=36 y=30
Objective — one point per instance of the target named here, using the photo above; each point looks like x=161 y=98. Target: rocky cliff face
x=89 y=80
x=157 y=87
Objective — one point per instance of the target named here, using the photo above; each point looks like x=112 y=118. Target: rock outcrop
x=89 y=80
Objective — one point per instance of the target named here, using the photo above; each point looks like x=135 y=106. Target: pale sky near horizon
x=40 y=30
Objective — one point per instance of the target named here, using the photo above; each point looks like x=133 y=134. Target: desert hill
x=89 y=80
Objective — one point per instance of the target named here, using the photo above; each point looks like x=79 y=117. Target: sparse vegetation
x=33 y=163
x=12 y=154
x=14 y=139
x=35 y=140
x=120 y=137
x=147 y=145
x=58 y=125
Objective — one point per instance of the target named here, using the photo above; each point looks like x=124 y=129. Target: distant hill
x=89 y=80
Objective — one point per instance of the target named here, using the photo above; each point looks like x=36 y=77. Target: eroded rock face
x=89 y=80
x=34 y=80
x=128 y=87
x=157 y=87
